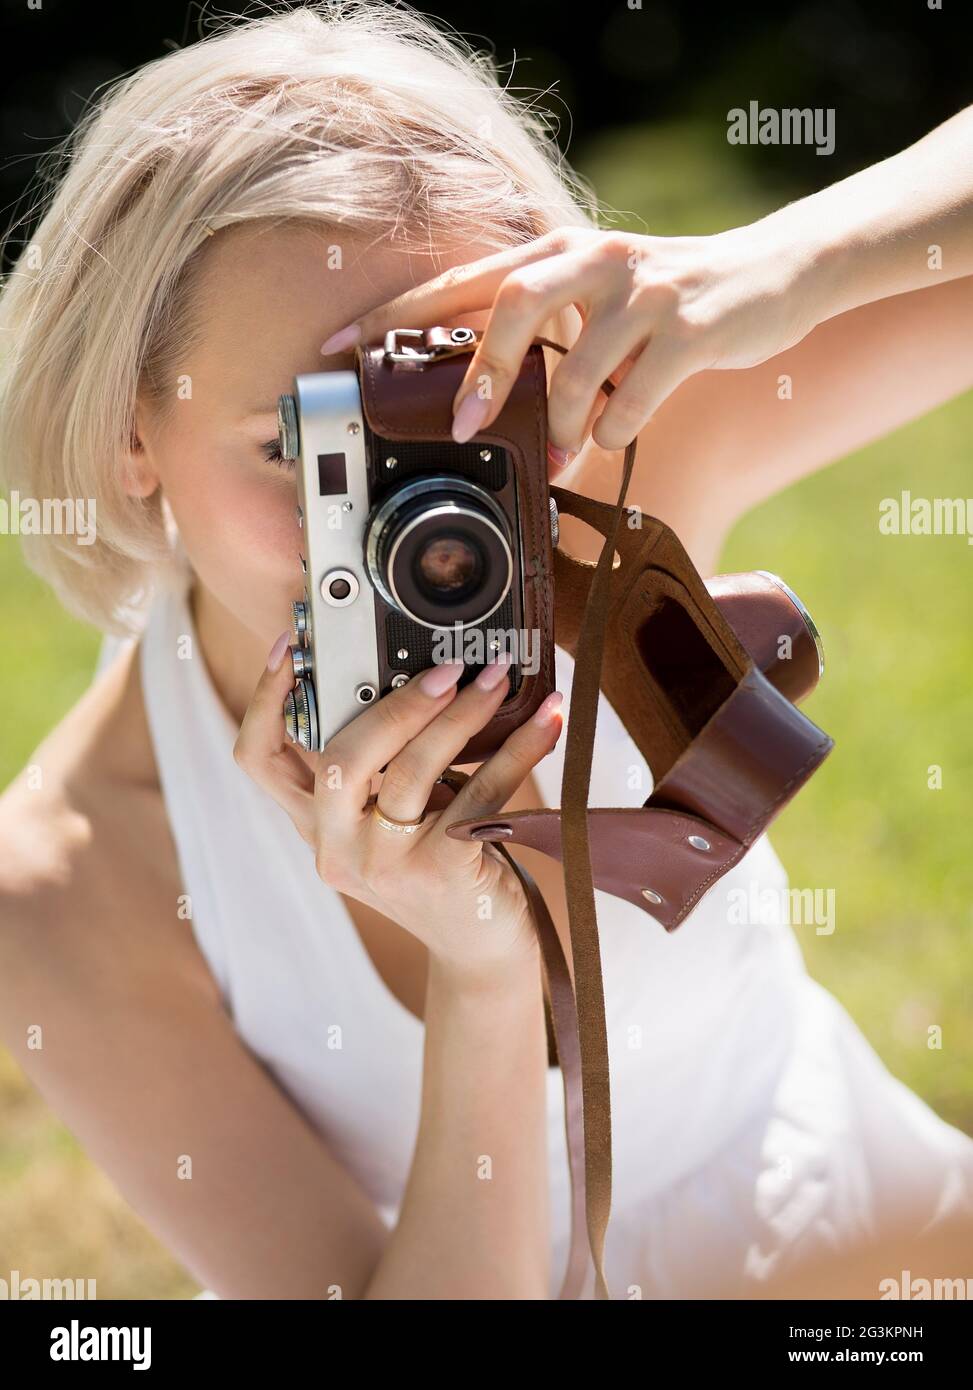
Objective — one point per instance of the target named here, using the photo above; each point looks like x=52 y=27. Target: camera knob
x=301 y=716
x=301 y=661
x=287 y=429
x=300 y=617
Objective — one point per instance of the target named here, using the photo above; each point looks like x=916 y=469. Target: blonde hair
x=353 y=113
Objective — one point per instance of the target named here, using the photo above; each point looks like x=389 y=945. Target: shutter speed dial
x=301 y=716
x=301 y=661
x=301 y=615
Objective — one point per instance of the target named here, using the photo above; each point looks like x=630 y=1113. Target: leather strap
x=565 y=1021
x=579 y=886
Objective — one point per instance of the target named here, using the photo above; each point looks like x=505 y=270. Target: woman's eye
x=271 y=452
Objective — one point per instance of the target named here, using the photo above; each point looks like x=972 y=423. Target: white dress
x=752 y=1121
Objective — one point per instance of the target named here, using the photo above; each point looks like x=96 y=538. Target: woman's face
x=268 y=298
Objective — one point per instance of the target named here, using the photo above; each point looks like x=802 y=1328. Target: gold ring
x=404 y=827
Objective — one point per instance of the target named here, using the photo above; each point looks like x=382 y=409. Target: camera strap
x=579 y=888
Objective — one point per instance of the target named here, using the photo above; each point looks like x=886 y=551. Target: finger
x=458 y=290
x=358 y=752
x=558 y=459
x=410 y=777
x=497 y=780
x=524 y=302
x=606 y=342
x=263 y=750
x=653 y=377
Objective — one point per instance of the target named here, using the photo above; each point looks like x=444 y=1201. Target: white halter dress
x=752 y=1122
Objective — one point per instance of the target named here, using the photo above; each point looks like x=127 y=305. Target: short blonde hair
x=361 y=114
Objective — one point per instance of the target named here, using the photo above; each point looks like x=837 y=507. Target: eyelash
x=272 y=454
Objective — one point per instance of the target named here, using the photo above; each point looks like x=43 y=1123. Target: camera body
x=416 y=549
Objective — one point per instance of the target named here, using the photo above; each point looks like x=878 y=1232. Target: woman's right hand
x=460 y=898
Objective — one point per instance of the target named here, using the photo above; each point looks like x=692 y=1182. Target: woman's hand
x=655 y=310
x=460 y=898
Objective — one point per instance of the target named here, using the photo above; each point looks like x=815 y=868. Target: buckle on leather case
x=452 y=341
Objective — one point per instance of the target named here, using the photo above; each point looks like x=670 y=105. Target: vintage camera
x=416 y=549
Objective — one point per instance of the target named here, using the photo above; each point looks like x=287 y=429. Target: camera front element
x=439 y=549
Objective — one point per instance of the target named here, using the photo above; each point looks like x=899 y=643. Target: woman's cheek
x=238 y=526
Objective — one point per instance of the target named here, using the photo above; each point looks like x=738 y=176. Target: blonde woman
x=280 y=1028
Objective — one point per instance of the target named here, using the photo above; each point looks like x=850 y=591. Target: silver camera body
x=407 y=545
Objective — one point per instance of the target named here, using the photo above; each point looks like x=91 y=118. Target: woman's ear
x=139 y=477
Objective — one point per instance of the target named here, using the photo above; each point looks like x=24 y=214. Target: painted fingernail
x=492 y=674
x=277 y=651
x=469 y=418
x=550 y=709
x=344 y=338
x=438 y=679
x=559 y=457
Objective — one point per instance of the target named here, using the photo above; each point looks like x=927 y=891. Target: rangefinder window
x=332 y=474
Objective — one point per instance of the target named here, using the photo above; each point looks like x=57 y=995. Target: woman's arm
x=474 y=1218
x=903 y=224
x=664 y=317
x=144 y=1066
x=725 y=441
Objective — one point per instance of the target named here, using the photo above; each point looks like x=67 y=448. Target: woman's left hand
x=655 y=310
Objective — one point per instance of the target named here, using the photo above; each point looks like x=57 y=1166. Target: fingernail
x=438 y=679
x=277 y=651
x=469 y=418
x=344 y=338
x=491 y=675
x=550 y=709
x=559 y=457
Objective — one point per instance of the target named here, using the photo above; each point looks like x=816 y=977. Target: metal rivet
x=486 y=455
x=391 y=462
x=398 y=680
x=698 y=842
x=347 y=506
x=354 y=427
x=402 y=654
x=652 y=897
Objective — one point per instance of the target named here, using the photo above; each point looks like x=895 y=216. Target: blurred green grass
x=896 y=617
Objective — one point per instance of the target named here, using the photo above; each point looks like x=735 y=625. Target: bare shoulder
x=89 y=880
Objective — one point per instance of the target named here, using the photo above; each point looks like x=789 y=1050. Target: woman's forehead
x=269 y=297
x=291 y=268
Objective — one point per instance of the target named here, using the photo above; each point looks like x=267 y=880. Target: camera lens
x=439 y=549
x=448 y=566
